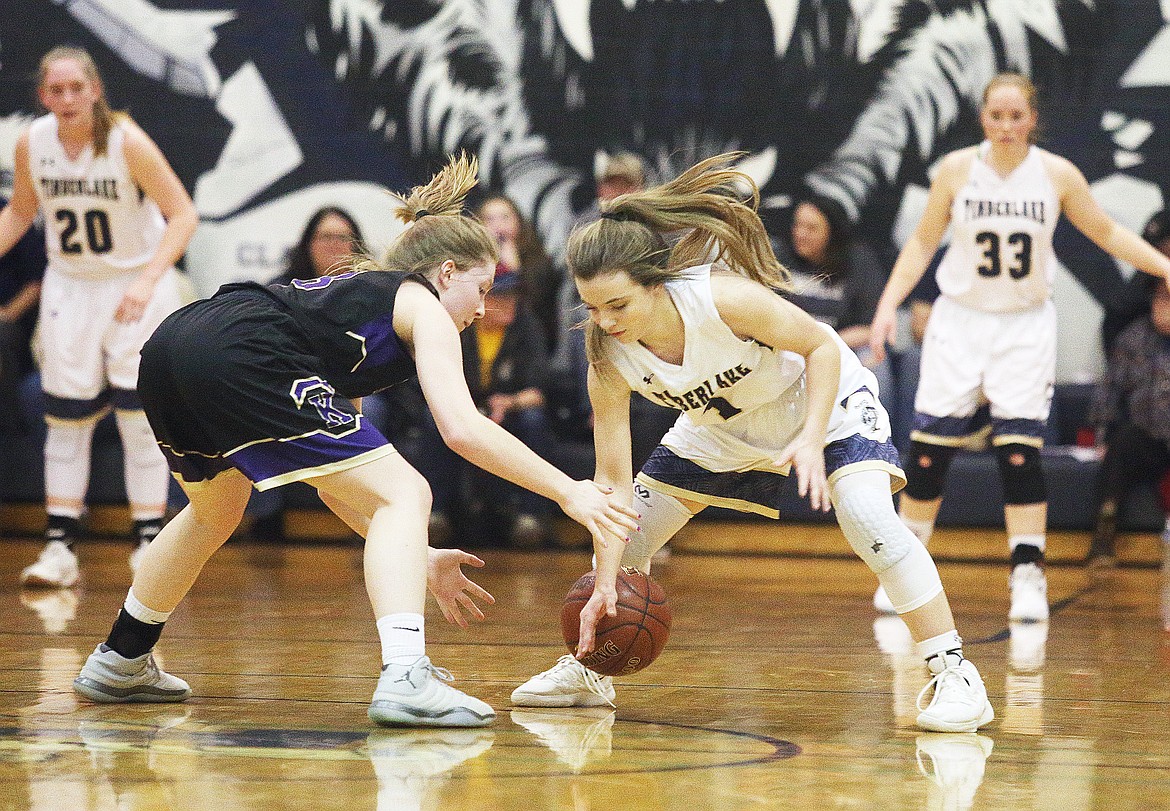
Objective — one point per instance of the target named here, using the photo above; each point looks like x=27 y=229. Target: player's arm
x=1084 y=212
x=17 y=217
x=753 y=311
x=609 y=397
x=421 y=320
x=158 y=181
x=915 y=256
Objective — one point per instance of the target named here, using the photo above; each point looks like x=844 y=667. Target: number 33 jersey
x=1000 y=258
x=98 y=223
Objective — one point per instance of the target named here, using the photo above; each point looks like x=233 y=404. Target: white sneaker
x=1029 y=589
x=954 y=764
x=109 y=678
x=568 y=683
x=417 y=695
x=881 y=602
x=577 y=738
x=55 y=568
x=959 y=703
x=1026 y=645
x=56 y=607
x=136 y=556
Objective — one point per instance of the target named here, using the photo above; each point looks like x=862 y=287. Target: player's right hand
x=601 y=602
x=601 y=511
x=882 y=331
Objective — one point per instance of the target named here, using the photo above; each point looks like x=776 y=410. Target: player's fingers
x=480 y=593
x=598 y=535
x=624 y=517
x=470 y=605
x=471 y=560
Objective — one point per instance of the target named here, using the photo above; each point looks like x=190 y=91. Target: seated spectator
x=522 y=252
x=1131 y=409
x=21 y=271
x=330 y=238
x=836 y=278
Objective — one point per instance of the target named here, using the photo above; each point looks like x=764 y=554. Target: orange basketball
x=629 y=641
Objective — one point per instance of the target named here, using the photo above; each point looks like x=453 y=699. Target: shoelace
x=936 y=682
x=592 y=680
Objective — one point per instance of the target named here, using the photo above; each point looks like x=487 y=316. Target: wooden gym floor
x=779 y=688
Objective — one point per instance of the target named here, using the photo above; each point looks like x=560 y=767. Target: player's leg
x=145 y=468
x=146 y=476
x=865 y=512
x=73 y=381
x=1019 y=383
x=122 y=668
x=946 y=407
x=397 y=499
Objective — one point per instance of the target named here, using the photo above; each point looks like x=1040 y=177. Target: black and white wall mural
x=269 y=109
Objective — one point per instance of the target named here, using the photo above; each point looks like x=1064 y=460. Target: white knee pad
x=147 y=475
x=662 y=517
x=67 y=449
x=866 y=515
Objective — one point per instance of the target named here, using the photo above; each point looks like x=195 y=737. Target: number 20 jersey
x=98 y=224
x=1000 y=258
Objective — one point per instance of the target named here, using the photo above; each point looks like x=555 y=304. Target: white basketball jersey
x=1000 y=258
x=98 y=223
x=741 y=402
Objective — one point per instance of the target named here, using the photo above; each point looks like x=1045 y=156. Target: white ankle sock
x=403 y=637
x=949 y=641
x=142 y=613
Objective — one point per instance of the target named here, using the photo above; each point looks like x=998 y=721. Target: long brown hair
x=104 y=118
x=713 y=205
x=437 y=228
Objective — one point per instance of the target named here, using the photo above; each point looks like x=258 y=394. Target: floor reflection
x=578 y=736
x=412 y=765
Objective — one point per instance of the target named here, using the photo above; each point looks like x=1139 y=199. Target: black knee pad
x=1022 y=474
x=926 y=470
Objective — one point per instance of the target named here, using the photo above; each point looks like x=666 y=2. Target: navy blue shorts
x=760 y=491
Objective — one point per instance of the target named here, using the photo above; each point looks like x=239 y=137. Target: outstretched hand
x=600 y=511
x=601 y=603
x=452 y=589
x=807 y=457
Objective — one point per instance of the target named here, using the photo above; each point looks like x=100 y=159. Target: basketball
x=630 y=641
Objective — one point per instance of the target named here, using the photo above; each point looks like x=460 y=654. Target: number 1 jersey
x=98 y=223
x=1000 y=258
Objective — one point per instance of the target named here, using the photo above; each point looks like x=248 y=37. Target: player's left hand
x=452 y=589
x=133 y=304
x=807 y=456
x=599 y=509
x=601 y=602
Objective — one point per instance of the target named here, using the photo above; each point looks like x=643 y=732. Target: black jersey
x=349 y=321
x=261 y=378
